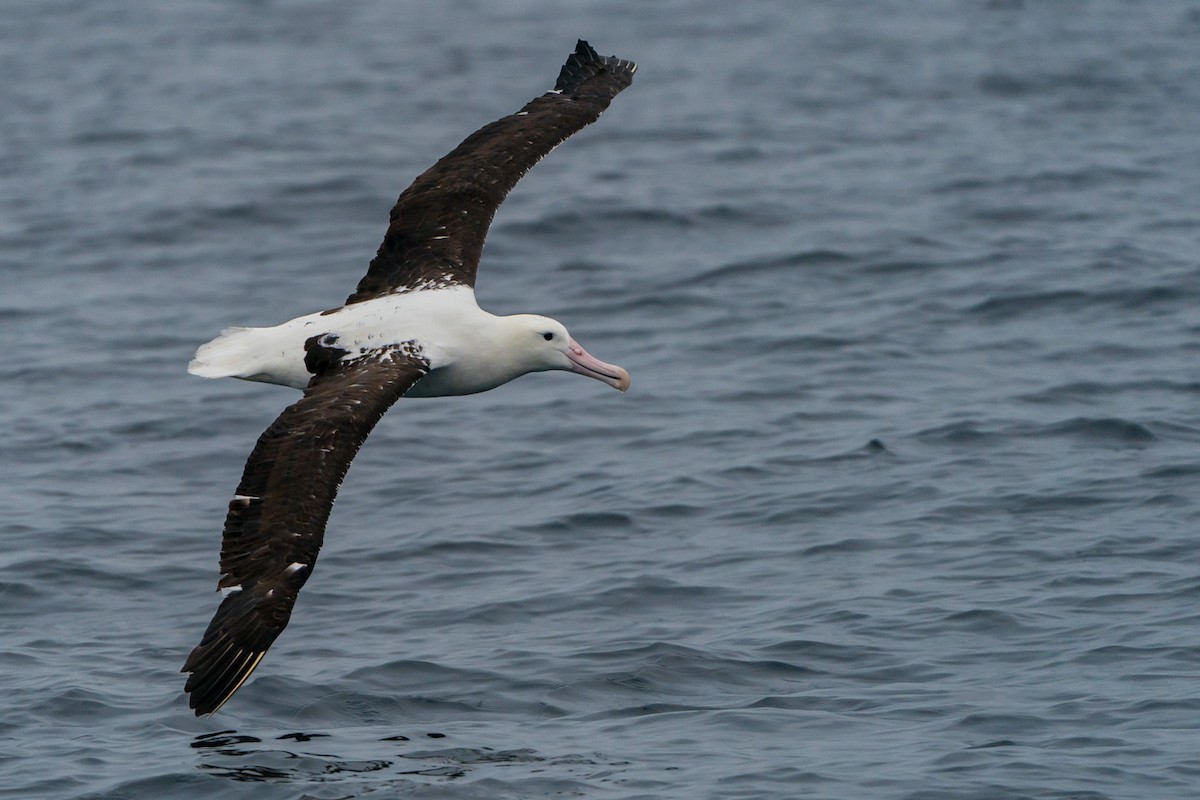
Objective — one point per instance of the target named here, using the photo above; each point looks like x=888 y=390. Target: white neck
x=485 y=351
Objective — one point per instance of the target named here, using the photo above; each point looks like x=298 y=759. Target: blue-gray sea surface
x=902 y=503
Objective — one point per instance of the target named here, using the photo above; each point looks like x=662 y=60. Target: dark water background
x=902 y=503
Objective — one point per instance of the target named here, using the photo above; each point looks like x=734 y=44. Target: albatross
x=412 y=328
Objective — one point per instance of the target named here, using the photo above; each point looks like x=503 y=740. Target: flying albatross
x=411 y=328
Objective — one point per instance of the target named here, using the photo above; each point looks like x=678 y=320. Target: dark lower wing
x=439 y=223
x=276 y=521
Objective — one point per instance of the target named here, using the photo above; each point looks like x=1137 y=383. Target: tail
x=231 y=355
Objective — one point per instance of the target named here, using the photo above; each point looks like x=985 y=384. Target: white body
x=468 y=349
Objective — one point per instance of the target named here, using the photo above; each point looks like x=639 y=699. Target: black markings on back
x=321 y=353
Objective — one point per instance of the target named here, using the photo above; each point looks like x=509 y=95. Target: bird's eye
x=549 y=337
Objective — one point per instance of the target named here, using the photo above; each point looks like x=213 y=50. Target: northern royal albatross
x=411 y=328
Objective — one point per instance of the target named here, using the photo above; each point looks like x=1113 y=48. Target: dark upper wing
x=276 y=520
x=439 y=223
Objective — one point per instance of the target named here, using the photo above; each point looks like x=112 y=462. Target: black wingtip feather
x=228 y=653
x=585 y=63
x=216 y=676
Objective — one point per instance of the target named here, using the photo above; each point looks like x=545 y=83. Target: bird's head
x=546 y=345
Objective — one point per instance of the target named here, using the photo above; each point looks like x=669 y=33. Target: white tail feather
x=233 y=354
x=269 y=355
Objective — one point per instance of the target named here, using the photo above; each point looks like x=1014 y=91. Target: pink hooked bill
x=586 y=364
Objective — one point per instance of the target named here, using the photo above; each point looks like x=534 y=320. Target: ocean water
x=902 y=502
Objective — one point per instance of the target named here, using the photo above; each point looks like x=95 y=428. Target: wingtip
x=585 y=63
x=230 y=650
x=212 y=684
